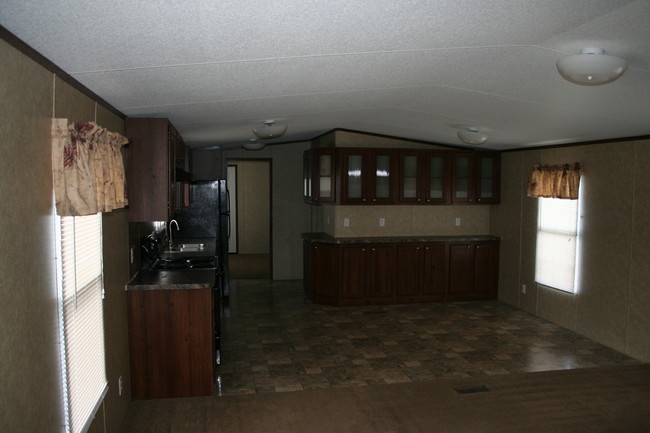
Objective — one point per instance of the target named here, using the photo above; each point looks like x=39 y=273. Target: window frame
x=79 y=241
x=567 y=226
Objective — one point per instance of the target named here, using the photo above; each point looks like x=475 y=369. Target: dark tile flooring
x=275 y=340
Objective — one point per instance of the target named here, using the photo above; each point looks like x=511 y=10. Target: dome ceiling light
x=472 y=136
x=592 y=67
x=253 y=144
x=270 y=130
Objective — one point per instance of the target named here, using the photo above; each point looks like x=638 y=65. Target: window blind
x=81 y=288
x=557 y=238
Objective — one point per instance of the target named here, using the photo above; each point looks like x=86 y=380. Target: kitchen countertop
x=172 y=280
x=325 y=238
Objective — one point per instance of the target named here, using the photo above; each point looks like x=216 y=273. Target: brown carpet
x=603 y=399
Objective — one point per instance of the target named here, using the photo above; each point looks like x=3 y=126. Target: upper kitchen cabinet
x=368 y=176
x=380 y=176
x=475 y=177
x=156 y=151
x=319 y=182
x=424 y=177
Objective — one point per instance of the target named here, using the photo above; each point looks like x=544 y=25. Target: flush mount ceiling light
x=270 y=130
x=471 y=136
x=592 y=67
x=253 y=144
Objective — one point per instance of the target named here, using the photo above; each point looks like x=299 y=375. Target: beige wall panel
x=30 y=389
x=411 y=220
x=505 y=222
x=528 y=301
x=351 y=139
x=606 y=239
x=557 y=306
x=638 y=328
x=71 y=104
x=109 y=120
x=291 y=216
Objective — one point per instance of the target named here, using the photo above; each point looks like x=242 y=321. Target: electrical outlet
x=346 y=222
x=523 y=289
x=382 y=222
x=457 y=221
x=120 y=386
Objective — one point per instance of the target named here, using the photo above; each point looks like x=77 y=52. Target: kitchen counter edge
x=325 y=238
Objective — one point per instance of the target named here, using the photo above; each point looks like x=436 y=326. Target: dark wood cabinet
x=473 y=270
x=367 y=274
x=400 y=272
x=367 y=176
x=319 y=175
x=171 y=342
x=421 y=272
x=153 y=191
x=424 y=177
x=320 y=272
x=476 y=177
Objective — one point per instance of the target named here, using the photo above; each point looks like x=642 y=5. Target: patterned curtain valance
x=555 y=181
x=87 y=168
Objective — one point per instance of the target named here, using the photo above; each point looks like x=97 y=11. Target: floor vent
x=472 y=389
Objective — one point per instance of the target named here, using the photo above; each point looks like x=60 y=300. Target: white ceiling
x=410 y=68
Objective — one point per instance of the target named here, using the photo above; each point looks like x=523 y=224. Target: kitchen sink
x=188 y=247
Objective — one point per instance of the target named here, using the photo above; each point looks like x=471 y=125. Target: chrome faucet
x=171 y=242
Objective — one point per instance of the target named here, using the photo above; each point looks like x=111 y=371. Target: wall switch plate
x=346 y=222
x=523 y=289
x=382 y=222
x=120 y=386
x=457 y=221
x=132 y=255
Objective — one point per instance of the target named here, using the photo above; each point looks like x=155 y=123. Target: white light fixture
x=471 y=136
x=270 y=130
x=592 y=67
x=253 y=144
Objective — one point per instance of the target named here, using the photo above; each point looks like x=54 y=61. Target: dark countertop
x=172 y=280
x=325 y=238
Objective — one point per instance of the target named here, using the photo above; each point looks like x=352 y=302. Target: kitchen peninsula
x=390 y=270
x=171 y=324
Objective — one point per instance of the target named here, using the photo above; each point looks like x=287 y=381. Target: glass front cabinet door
x=324 y=181
x=367 y=176
x=475 y=177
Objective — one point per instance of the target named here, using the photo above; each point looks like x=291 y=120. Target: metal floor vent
x=472 y=389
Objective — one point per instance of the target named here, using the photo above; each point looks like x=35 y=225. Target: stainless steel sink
x=188 y=247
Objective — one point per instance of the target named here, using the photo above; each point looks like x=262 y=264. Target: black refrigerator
x=208 y=216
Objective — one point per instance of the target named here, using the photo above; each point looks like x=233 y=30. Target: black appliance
x=208 y=216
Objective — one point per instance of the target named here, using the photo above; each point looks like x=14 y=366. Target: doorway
x=249 y=182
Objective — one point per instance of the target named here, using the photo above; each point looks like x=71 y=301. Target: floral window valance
x=87 y=168
x=555 y=181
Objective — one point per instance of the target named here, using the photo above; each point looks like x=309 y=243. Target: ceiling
x=411 y=68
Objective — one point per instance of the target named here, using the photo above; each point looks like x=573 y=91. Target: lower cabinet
x=473 y=270
x=171 y=343
x=367 y=274
x=405 y=272
x=421 y=272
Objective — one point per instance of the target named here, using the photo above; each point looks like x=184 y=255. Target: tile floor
x=275 y=340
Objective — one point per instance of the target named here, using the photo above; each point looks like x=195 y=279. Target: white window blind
x=81 y=286
x=557 y=243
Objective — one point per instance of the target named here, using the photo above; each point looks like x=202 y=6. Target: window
x=81 y=286
x=557 y=243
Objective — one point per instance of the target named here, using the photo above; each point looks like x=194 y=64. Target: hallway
x=274 y=340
